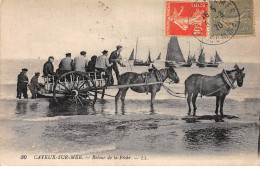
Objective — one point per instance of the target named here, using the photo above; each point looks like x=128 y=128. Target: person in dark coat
x=34 y=85
x=91 y=64
x=22 y=84
x=115 y=58
x=66 y=64
x=48 y=68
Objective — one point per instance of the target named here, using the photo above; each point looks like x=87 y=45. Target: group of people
x=101 y=63
x=22 y=84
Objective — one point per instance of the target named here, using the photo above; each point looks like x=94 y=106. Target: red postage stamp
x=186 y=18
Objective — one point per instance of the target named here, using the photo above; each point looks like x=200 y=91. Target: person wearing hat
x=102 y=65
x=48 y=68
x=115 y=58
x=34 y=85
x=22 y=84
x=80 y=63
x=91 y=64
x=65 y=64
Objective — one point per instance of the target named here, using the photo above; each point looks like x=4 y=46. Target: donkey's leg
x=222 y=99
x=217 y=104
x=124 y=90
x=194 y=97
x=153 y=94
x=119 y=93
x=189 y=100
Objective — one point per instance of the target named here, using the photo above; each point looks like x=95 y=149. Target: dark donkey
x=218 y=86
x=135 y=78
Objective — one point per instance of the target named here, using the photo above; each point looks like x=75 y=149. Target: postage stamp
x=182 y=17
x=223 y=21
x=246 y=12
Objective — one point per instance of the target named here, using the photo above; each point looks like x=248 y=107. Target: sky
x=42 y=28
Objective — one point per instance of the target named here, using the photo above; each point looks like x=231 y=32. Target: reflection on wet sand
x=21 y=107
x=208 y=137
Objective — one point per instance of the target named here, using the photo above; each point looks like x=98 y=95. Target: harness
x=226 y=79
x=157 y=74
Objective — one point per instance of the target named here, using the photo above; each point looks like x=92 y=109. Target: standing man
x=34 y=85
x=115 y=58
x=22 y=84
x=65 y=64
x=102 y=65
x=80 y=62
x=48 y=68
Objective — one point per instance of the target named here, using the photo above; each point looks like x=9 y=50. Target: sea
x=31 y=126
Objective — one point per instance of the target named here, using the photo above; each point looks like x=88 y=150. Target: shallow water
x=32 y=126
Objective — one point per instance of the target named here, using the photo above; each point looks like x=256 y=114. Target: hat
x=83 y=52
x=51 y=57
x=118 y=47
x=24 y=69
x=37 y=73
x=68 y=54
x=105 y=51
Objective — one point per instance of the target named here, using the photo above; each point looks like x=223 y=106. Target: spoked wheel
x=75 y=88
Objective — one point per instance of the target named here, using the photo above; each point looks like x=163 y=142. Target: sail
x=174 y=52
x=132 y=55
x=159 y=56
x=149 y=60
x=217 y=58
x=201 y=56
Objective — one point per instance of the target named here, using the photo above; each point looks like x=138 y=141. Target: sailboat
x=217 y=58
x=149 y=58
x=132 y=55
x=174 y=56
x=138 y=62
x=201 y=61
x=159 y=56
x=214 y=61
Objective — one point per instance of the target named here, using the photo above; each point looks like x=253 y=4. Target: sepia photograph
x=130 y=83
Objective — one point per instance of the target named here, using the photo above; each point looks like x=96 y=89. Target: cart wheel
x=75 y=88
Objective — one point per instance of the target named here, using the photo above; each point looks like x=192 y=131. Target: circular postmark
x=220 y=20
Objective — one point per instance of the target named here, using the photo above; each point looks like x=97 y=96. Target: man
x=80 y=62
x=65 y=64
x=22 y=84
x=115 y=58
x=48 y=68
x=34 y=85
x=102 y=63
x=91 y=64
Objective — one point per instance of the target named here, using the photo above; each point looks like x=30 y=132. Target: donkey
x=218 y=86
x=135 y=78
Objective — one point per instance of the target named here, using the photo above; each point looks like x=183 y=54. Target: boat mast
x=136 y=49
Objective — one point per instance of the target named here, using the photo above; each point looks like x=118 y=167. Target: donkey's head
x=239 y=75
x=173 y=75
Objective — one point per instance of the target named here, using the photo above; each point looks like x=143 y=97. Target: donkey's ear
x=236 y=66
x=243 y=69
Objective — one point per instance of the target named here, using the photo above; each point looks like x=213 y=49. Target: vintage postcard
x=129 y=82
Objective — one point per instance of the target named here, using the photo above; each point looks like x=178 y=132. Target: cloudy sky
x=40 y=28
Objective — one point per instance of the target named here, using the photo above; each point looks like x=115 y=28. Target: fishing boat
x=214 y=62
x=201 y=61
x=174 y=56
x=138 y=62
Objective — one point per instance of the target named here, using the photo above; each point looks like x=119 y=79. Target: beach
x=137 y=128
